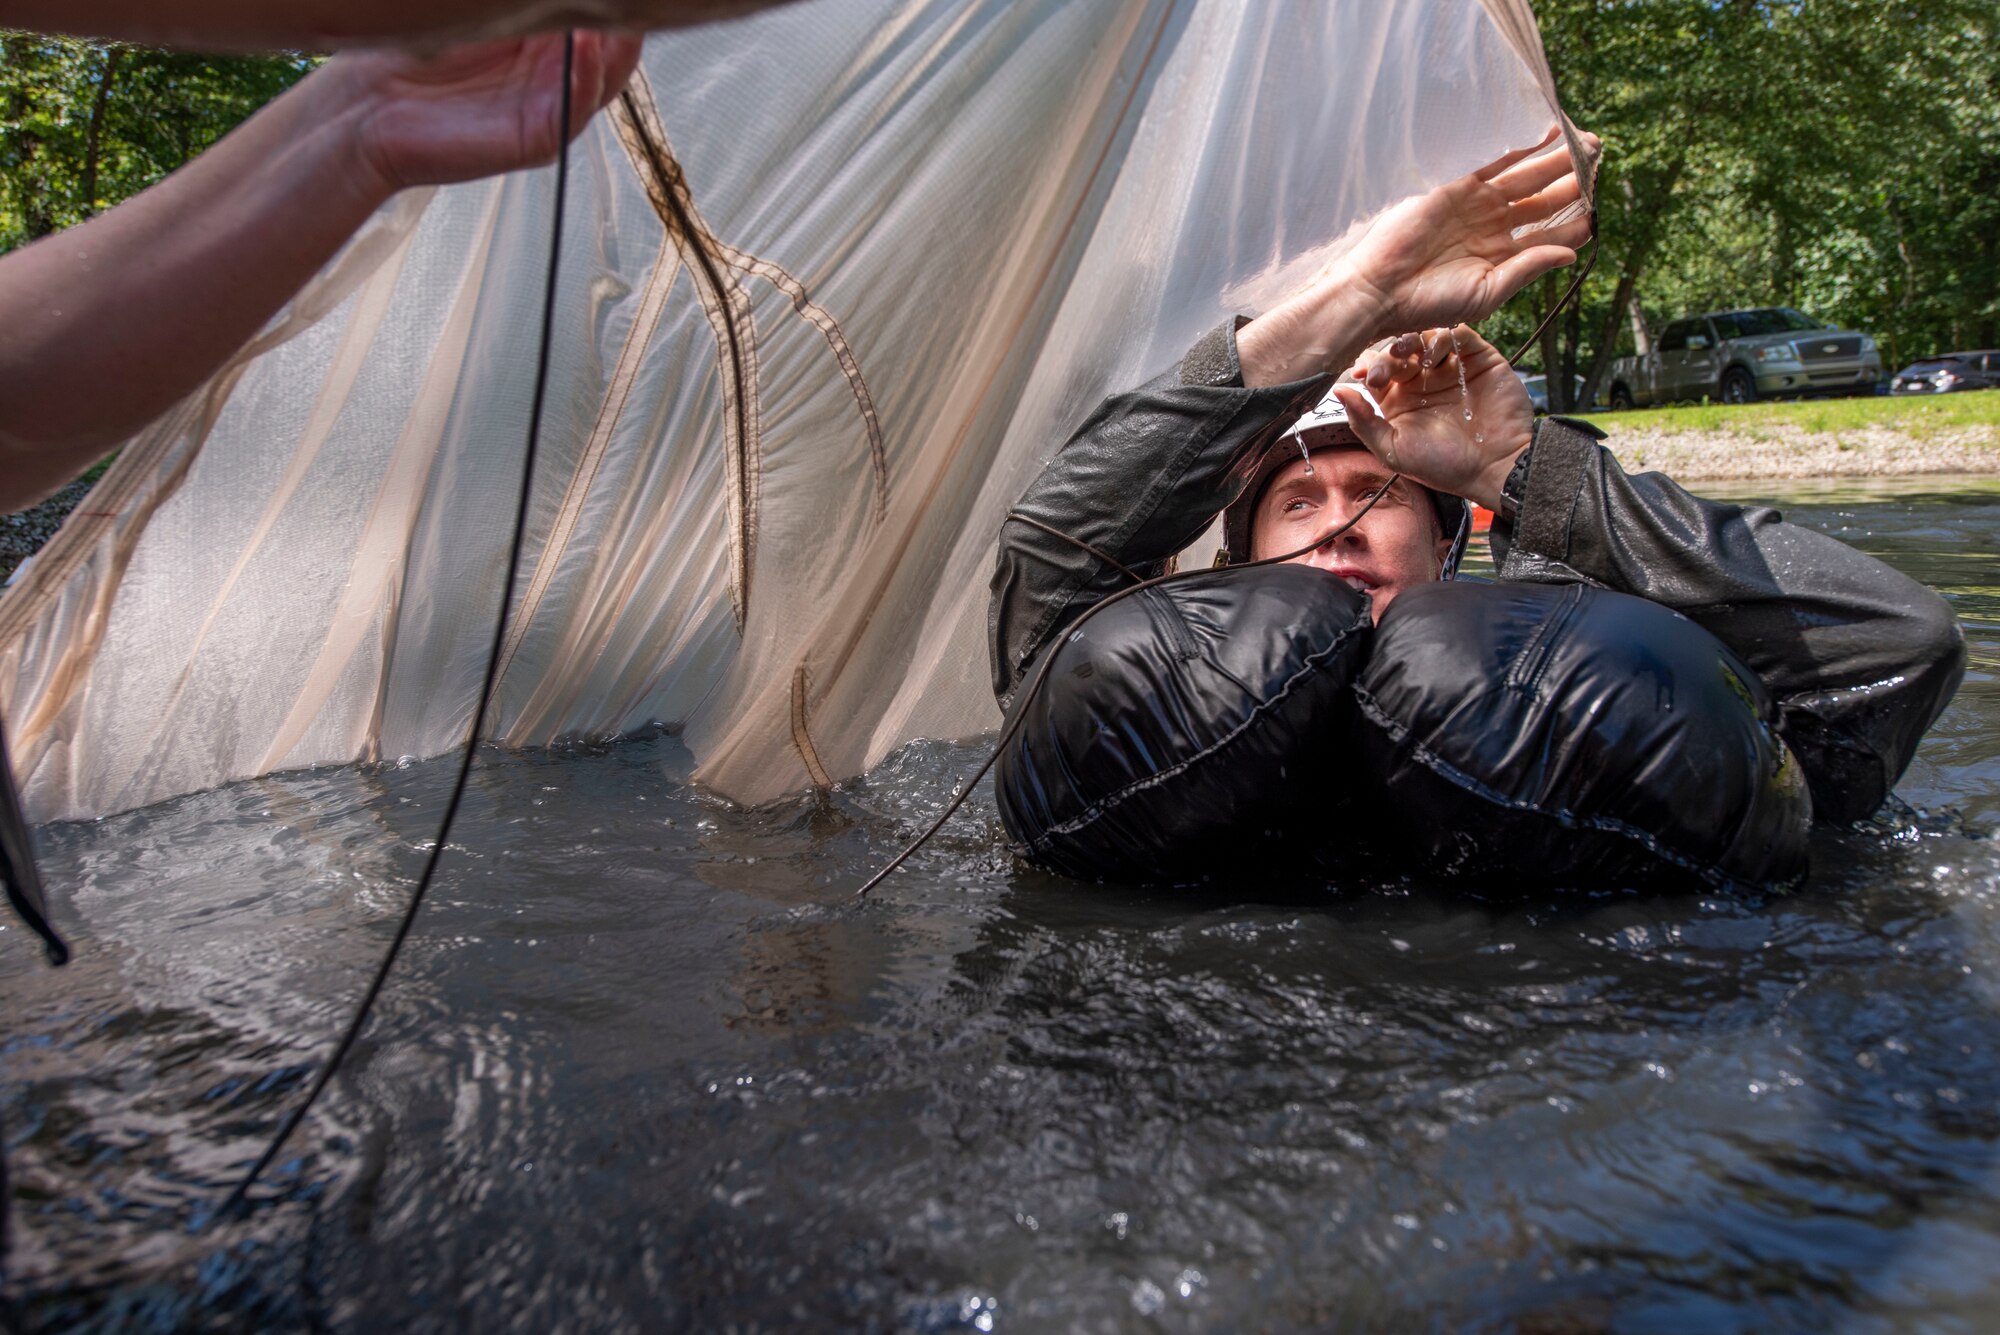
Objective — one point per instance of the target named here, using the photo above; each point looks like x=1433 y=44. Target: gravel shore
x=1790 y=452
x=22 y=535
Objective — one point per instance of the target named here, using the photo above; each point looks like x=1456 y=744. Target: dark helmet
x=1325 y=426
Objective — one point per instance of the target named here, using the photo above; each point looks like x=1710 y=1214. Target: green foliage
x=1841 y=156
x=85 y=124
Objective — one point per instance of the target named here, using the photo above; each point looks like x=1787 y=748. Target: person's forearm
x=107 y=325
x=1138 y=481
x=1860 y=657
x=320 y=25
x=1318 y=332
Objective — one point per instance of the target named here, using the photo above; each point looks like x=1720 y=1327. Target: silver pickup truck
x=1740 y=356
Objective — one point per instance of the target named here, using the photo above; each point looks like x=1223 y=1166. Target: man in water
x=1859 y=658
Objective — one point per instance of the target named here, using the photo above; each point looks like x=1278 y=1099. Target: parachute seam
x=843 y=355
x=801 y=738
x=624 y=376
x=666 y=187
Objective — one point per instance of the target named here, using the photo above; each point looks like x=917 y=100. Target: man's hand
x=1446 y=257
x=1452 y=256
x=172 y=282
x=470 y=111
x=1464 y=444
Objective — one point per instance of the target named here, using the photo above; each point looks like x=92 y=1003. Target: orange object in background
x=1482 y=519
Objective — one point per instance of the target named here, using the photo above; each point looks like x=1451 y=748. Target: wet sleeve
x=1138 y=481
x=1861 y=658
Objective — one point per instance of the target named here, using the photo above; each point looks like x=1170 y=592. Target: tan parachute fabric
x=835 y=282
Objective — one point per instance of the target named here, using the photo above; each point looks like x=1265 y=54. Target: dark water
x=643 y=1068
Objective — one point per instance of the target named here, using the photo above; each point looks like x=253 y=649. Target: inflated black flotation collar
x=1562 y=734
x=1509 y=733
x=1180 y=731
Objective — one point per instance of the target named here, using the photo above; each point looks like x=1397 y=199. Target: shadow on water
x=645 y=1066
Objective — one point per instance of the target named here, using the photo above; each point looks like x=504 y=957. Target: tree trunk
x=93 y=138
x=1625 y=301
x=1622 y=301
x=1642 y=333
x=1552 y=346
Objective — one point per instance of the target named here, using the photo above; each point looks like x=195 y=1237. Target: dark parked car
x=1949 y=371
x=1537 y=386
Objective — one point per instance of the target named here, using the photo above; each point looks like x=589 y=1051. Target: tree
x=1838 y=155
x=86 y=124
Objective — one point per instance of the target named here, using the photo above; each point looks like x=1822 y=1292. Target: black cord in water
x=1041 y=669
x=361 y=1012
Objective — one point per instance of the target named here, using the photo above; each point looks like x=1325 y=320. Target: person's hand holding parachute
x=1451 y=255
x=470 y=111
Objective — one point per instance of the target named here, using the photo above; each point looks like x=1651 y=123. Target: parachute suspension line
x=1097 y=552
x=18 y=871
x=671 y=194
x=1569 y=295
x=1048 y=656
x=1041 y=669
x=238 y=1196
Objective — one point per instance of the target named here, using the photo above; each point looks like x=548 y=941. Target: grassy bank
x=1871 y=437
x=1917 y=415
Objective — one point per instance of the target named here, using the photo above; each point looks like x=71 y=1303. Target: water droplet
x=1464 y=394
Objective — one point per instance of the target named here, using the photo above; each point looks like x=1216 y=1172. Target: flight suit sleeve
x=1138 y=481
x=1861 y=659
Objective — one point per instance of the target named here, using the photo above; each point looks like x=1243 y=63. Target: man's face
x=1396 y=545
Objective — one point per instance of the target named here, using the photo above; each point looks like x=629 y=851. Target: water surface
x=644 y=1067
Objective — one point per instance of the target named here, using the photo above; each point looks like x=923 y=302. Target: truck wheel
x=1621 y=398
x=1738 y=387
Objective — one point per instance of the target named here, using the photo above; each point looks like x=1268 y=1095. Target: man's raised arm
x=1138 y=481
x=1860 y=658
x=1151 y=468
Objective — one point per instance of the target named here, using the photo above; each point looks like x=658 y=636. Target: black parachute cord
x=1562 y=302
x=1041 y=674
x=1041 y=669
x=18 y=869
x=239 y=1196
x=1074 y=541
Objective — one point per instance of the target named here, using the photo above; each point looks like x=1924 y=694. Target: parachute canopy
x=834 y=282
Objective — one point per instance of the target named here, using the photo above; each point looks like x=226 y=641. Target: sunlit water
x=643 y=1066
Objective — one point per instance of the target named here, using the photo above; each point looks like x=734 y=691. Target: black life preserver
x=1183 y=730
x=1571 y=736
